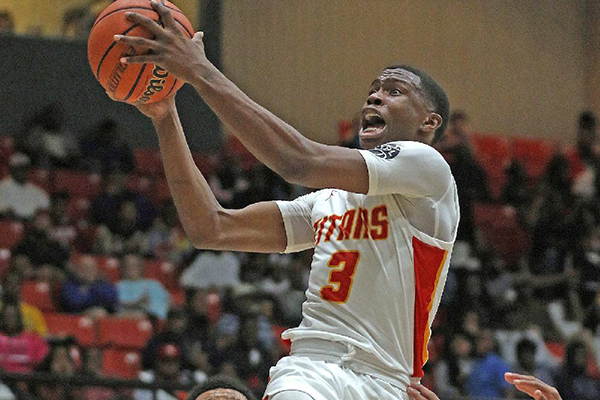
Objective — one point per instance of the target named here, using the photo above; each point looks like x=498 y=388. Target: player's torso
x=362 y=280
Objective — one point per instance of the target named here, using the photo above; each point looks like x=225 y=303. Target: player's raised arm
x=396 y=109
x=256 y=228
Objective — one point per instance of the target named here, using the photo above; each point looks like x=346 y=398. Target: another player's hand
x=156 y=111
x=170 y=47
x=416 y=391
x=532 y=386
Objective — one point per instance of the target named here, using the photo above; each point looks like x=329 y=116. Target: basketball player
x=220 y=387
x=382 y=225
x=525 y=383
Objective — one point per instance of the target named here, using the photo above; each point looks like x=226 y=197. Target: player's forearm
x=197 y=207
x=274 y=142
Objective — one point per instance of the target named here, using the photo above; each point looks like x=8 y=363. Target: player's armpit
x=257 y=228
x=332 y=167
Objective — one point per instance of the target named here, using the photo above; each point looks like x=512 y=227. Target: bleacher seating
x=77 y=183
x=82 y=327
x=126 y=333
x=11 y=233
x=120 y=363
x=162 y=271
x=533 y=153
x=4 y=261
x=38 y=294
x=493 y=152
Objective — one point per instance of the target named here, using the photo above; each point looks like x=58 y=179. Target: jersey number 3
x=341 y=278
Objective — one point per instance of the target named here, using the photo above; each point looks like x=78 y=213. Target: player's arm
x=274 y=142
x=256 y=228
x=532 y=386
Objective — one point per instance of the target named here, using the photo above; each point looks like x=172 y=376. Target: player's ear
x=433 y=121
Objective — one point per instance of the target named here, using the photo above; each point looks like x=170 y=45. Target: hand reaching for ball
x=170 y=48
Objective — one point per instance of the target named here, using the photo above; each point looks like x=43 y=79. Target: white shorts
x=328 y=381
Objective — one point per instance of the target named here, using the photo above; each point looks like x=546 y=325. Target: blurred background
x=102 y=295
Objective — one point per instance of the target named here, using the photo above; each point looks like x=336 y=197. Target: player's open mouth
x=372 y=124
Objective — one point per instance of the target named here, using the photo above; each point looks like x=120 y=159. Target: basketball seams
x=137 y=80
x=112 y=46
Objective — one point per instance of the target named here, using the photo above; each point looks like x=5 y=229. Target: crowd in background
x=536 y=314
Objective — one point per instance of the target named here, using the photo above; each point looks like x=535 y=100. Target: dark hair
x=526 y=344
x=220 y=382
x=434 y=93
x=587 y=120
x=458 y=115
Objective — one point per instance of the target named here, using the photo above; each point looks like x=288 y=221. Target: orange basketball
x=131 y=83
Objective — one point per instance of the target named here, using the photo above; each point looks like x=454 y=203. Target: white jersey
x=376 y=277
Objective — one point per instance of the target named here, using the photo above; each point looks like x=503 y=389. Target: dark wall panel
x=35 y=72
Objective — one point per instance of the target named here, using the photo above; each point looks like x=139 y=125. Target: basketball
x=130 y=83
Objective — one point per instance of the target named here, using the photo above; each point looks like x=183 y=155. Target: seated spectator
x=138 y=296
x=487 y=373
x=7 y=23
x=526 y=363
x=106 y=207
x=174 y=332
x=20 y=351
x=452 y=371
x=228 y=183
x=48 y=143
x=87 y=292
x=169 y=368
x=63 y=229
x=92 y=367
x=105 y=150
x=46 y=254
x=166 y=240
x=573 y=380
x=33 y=319
x=20 y=199
x=212 y=269
x=584 y=158
x=59 y=362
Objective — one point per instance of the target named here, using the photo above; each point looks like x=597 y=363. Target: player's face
x=396 y=109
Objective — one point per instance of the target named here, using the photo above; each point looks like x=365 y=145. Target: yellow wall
x=47 y=15
x=516 y=66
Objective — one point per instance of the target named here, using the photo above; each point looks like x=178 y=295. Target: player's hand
x=416 y=391
x=170 y=47
x=156 y=111
x=532 y=386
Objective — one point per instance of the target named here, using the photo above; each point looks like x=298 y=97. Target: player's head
x=220 y=387
x=404 y=103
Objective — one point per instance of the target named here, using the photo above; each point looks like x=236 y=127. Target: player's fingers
x=198 y=36
x=136 y=41
x=414 y=394
x=538 y=395
x=166 y=16
x=510 y=377
x=146 y=22
x=529 y=386
x=143 y=59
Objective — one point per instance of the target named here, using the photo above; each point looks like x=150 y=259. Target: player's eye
x=396 y=92
x=372 y=91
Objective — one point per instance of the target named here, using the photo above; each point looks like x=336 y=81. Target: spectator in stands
x=587 y=257
x=20 y=351
x=591 y=319
x=174 y=332
x=7 y=24
x=169 y=368
x=469 y=175
x=140 y=297
x=92 y=367
x=516 y=191
x=106 y=208
x=212 y=269
x=199 y=360
x=584 y=159
x=452 y=371
x=63 y=228
x=105 y=150
x=166 y=240
x=251 y=358
x=228 y=182
x=48 y=143
x=47 y=255
x=20 y=199
x=487 y=373
x=59 y=362
x=572 y=380
x=526 y=364
x=32 y=318
x=87 y=292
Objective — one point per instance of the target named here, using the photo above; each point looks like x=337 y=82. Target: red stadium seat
x=161 y=191
x=206 y=163
x=121 y=363
x=148 y=161
x=77 y=183
x=81 y=327
x=128 y=333
x=533 y=154
x=493 y=152
x=79 y=208
x=177 y=297
x=162 y=271
x=501 y=230
x=38 y=294
x=11 y=233
x=4 y=261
